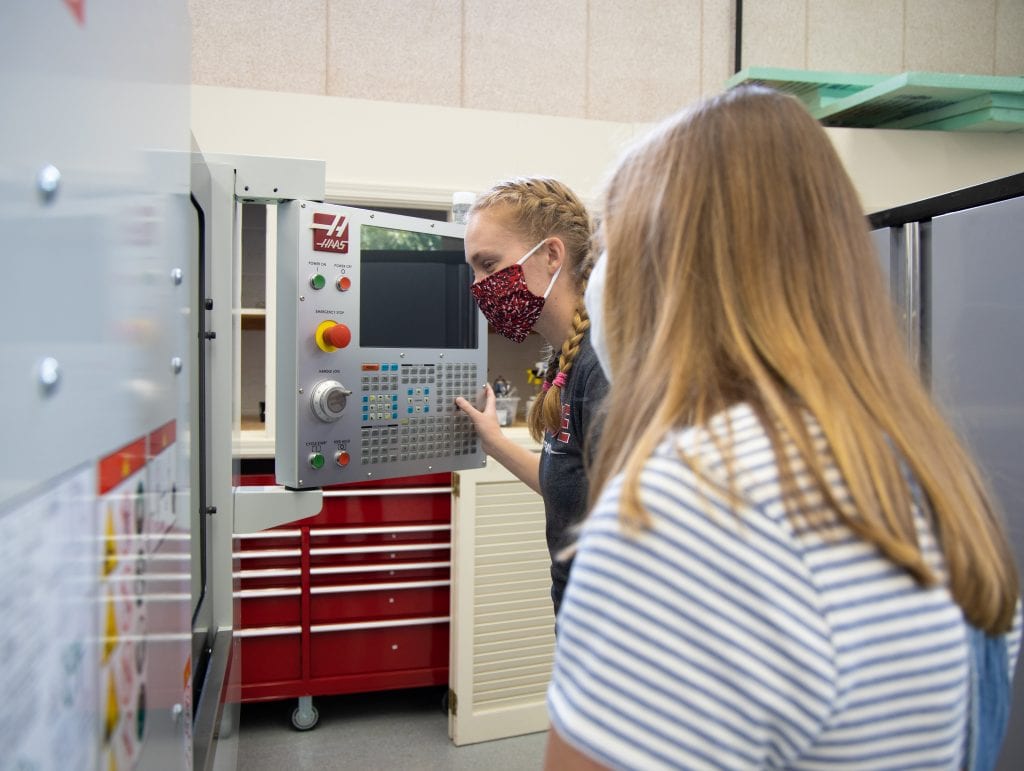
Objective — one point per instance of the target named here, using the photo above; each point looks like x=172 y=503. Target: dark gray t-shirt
x=563 y=481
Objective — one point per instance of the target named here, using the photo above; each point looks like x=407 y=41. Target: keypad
x=409 y=412
x=419 y=439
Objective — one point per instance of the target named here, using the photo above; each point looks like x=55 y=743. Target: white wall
x=408 y=153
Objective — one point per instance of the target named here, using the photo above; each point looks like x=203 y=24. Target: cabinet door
x=977 y=364
x=502 y=623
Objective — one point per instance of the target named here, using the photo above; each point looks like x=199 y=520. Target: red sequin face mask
x=507 y=303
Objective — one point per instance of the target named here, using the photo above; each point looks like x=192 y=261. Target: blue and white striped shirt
x=728 y=636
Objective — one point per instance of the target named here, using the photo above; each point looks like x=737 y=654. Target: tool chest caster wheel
x=305 y=715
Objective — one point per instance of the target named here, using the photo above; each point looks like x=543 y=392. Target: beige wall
x=613 y=60
x=983 y=37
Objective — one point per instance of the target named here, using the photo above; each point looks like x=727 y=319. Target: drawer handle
x=391 y=566
x=268 y=631
x=246 y=594
x=393 y=587
x=378 y=624
x=268 y=573
x=266 y=554
x=270 y=534
x=329 y=550
x=383 y=530
x=387 y=491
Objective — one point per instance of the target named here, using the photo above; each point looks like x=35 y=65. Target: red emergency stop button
x=342 y=458
x=344 y=284
x=339 y=336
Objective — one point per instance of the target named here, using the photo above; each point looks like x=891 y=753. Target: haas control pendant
x=383 y=334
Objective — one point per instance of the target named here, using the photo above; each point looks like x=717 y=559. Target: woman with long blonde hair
x=790 y=549
x=528 y=242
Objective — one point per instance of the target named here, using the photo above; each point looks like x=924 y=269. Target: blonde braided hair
x=538 y=207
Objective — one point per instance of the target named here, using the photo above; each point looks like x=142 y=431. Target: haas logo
x=330 y=232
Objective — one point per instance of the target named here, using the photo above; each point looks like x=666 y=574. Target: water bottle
x=461 y=201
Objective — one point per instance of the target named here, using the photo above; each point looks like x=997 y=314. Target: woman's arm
x=562 y=756
x=522 y=462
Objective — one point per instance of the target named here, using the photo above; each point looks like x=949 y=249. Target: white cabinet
x=502 y=621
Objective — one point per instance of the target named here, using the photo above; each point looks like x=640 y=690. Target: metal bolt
x=302 y=205
x=177 y=276
x=430 y=468
x=49 y=374
x=401 y=356
x=394 y=647
x=441 y=355
x=302 y=298
x=300 y=390
x=48 y=182
x=176 y=365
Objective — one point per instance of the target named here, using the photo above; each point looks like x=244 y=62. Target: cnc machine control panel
x=377 y=333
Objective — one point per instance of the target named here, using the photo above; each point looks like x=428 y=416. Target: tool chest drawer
x=352 y=650
x=371 y=602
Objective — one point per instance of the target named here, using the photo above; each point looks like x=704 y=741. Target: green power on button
x=317 y=281
x=316 y=460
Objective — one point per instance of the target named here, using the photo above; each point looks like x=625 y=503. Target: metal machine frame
x=220 y=184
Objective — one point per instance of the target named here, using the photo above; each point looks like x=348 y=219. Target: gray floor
x=392 y=731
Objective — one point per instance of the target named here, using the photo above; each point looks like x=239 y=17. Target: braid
x=546 y=414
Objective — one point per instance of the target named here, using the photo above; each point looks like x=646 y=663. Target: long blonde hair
x=536 y=208
x=739 y=254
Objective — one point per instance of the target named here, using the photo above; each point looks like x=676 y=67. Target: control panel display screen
x=416 y=287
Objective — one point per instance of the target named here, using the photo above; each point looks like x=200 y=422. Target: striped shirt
x=728 y=636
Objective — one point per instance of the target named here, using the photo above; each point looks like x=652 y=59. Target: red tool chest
x=353 y=599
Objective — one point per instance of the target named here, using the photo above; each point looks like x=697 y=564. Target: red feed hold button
x=344 y=284
x=342 y=458
x=339 y=336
